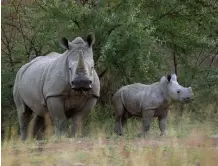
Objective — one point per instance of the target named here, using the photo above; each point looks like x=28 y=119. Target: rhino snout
x=188 y=99
x=82 y=84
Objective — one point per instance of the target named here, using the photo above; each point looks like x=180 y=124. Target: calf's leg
x=147 y=116
x=162 y=123
x=124 y=119
x=119 y=117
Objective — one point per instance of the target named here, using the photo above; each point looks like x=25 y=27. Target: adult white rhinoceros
x=148 y=101
x=62 y=85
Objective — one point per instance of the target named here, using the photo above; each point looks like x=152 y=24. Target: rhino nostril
x=187 y=98
x=90 y=81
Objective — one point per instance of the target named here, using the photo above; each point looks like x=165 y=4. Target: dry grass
x=188 y=143
x=194 y=150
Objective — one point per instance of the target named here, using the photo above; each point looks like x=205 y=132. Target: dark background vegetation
x=136 y=41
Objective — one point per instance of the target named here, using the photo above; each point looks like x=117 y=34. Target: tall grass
x=186 y=143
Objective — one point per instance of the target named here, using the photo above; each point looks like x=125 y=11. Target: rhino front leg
x=78 y=119
x=147 y=116
x=162 y=123
x=57 y=114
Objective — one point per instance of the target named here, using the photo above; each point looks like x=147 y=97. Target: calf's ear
x=163 y=79
x=173 y=77
x=90 y=39
x=169 y=77
x=64 y=43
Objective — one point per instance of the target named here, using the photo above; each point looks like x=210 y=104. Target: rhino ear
x=64 y=43
x=163 y=79
x=174 y=77
x=169 y=77
x=90 y=39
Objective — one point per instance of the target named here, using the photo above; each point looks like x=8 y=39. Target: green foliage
x=134 y=39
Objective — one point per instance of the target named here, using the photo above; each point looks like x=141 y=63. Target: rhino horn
x=81 y=64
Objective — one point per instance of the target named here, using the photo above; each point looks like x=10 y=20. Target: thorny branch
x=203 y=59
x=20 y=26
x=9 y=48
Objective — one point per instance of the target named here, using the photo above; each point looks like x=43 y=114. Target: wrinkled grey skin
x=64 y=85
x=148 y=101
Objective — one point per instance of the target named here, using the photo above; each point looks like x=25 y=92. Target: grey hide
x=148 y=101
x=63 y=85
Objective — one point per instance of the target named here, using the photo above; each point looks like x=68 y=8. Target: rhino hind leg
x=38 y=127
x=124 y=119
x=24 y=116
x=118 y=126
x=120 y=119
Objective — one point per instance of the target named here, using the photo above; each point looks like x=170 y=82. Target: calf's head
x=178 y=92
x=80 y=62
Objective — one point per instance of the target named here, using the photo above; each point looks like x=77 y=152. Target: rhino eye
x=70 y=69
x=178 y=91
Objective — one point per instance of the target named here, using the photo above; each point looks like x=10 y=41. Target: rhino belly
x=132 y=100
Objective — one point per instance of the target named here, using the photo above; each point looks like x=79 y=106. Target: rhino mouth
x=81 y=84
x=187 y=100
x=80 y=89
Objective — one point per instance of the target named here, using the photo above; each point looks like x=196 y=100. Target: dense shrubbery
x=139 y=41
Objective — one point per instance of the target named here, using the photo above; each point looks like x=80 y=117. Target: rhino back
x=138 y=97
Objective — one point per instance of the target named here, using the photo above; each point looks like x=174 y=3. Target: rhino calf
x=148 y=101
